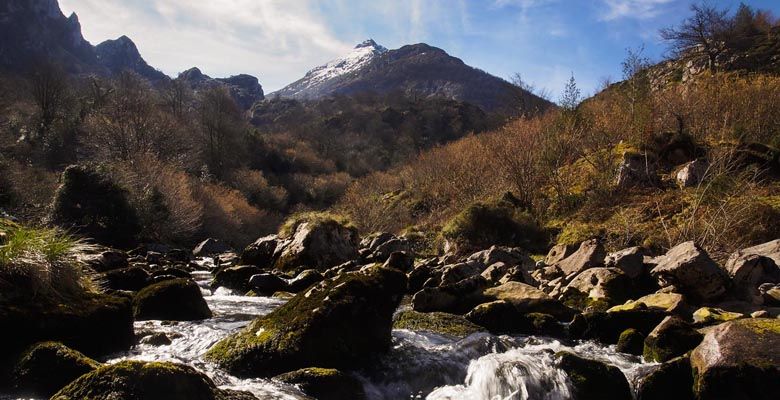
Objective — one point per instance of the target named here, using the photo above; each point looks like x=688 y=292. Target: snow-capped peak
x=361 y=55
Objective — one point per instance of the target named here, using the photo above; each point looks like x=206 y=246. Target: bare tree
x=49 y=89
x=704 y=33
x=221 y=125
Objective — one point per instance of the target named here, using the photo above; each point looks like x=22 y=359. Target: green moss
x=436 y=322
x=763 y=326
x=335 y=324
x=47 y=367
x=631 y=341
x=313 y=218
x=483 y=224
x=145 y=380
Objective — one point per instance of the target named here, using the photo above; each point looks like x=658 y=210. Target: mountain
x=121 y=55
x=245 y=89
x=35 y=30
x=417 y=70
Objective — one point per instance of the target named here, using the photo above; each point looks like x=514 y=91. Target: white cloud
x=638 y=9
x=276 y=40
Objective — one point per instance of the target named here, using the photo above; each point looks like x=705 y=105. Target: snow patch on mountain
x=359 y=57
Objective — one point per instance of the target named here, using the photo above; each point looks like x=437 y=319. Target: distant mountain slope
x=417 y=70
x=245 y=89
x=122 y=54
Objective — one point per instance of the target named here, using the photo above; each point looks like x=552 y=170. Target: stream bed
x=420 y=365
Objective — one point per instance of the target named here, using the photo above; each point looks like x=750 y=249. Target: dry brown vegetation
x=563 y=167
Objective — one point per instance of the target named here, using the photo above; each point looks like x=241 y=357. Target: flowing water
x=419 y=366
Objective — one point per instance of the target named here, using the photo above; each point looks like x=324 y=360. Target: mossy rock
x=607 y=327
x=339 y=323
x=325 y=383
x=485 y=224
x=436 y=322
x=739 y=359
x=631 y=341
x=593 y=379
x=95 y=325
x=47 y=367
x=672 y=338
x=235 y=278
x=671 y=380
x=668 y=302
x=148 y=381
x=711 y=316
x=316 y=240
x=175 y=299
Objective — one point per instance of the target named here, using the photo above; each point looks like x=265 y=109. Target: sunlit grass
x=42 y=263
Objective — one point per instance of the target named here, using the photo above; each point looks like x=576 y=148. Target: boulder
x=235 y=278
x=319 y=244
x=495 y=272
x=672 y=338
x=528 y=299
x=176 y=299
x=261 y=252
x=267 y=284
x=597 y=287
x=437 y=322
x=559 y=252
x=691 y=271
x=637 y=170
x=673 y=303
x=607 y=327
x=739 y=360
x=95 y=325
x=381 y=251
x=672 y=379
x=499 y=317
x=156 y=339
x=47 y=367
x=748 y=272
x=768 y=249
x=147 y=380
x=692 y=173
x=630 y=261
x=712 y=315
x=304 y=280
x=631 y=341
x=130 y=278
x=209 y=247
x=770 y=293
x=593 y=379
x=400 y=260
x=590 y=254
x=339 y=323
x=457 y=298
x=511 y=256
x=324 y=383
x=455 y=273
x=107 y=260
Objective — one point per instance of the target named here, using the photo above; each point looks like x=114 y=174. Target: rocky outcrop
x=637 y=170
x=175 y=299
x=147 y=380
x=739 y=360
x=692 y=272
x=318 y=244
x=340 y=323
x=244 y=89
x=122 y=55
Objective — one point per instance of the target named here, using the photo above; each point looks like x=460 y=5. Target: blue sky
x=279 y=40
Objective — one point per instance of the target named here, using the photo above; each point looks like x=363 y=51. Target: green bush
x=93 y=205
x=484 y=224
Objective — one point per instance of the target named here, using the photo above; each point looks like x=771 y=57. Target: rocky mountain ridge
x=417 y=70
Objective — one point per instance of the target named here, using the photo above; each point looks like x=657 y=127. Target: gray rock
x=261 y=252
x=590 y=254
x=692 y=173
x=691 y=270
x=748 y=272
x=630 y=261
x=210 y=246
